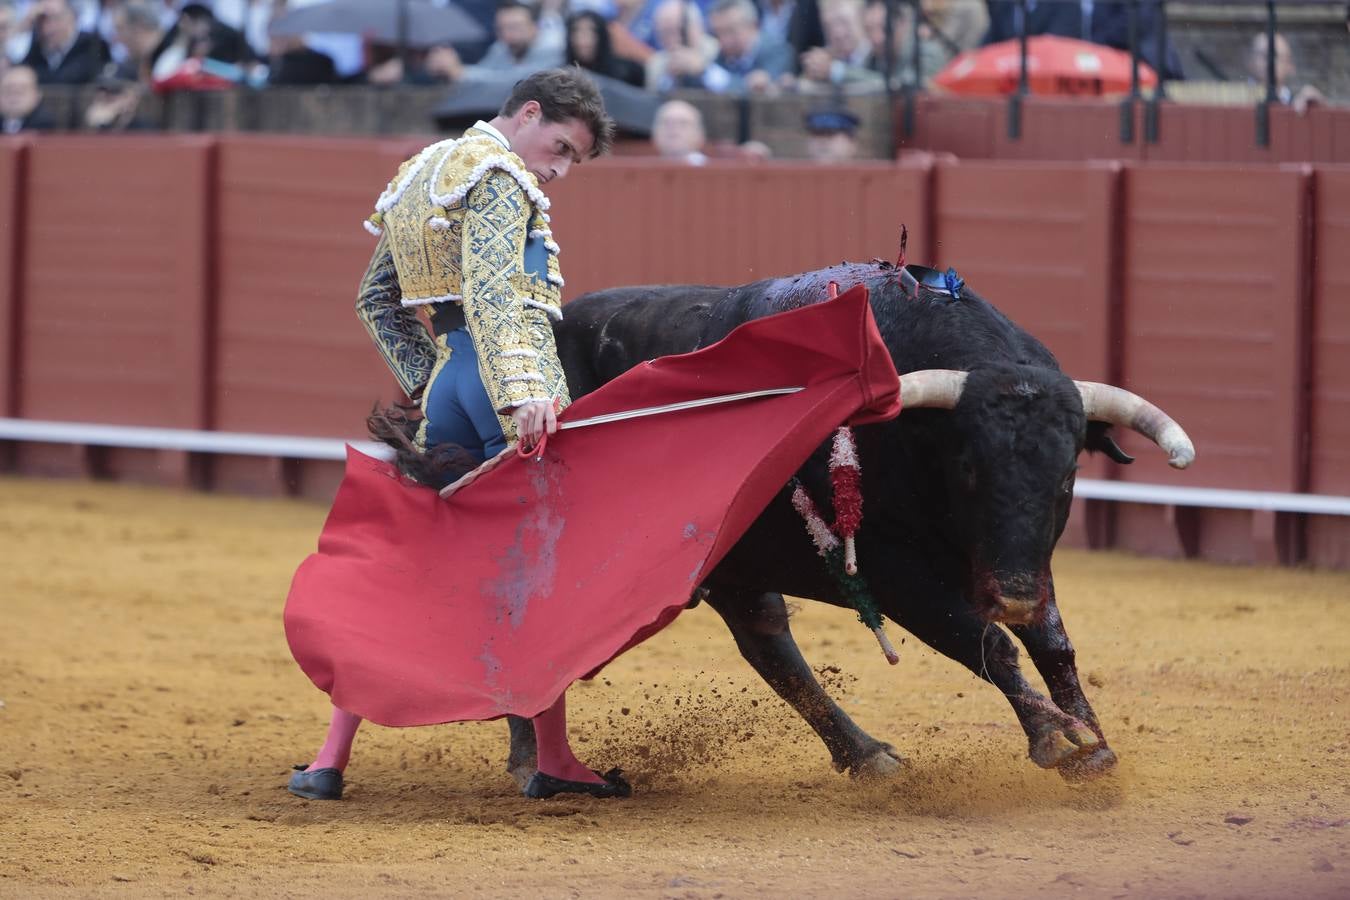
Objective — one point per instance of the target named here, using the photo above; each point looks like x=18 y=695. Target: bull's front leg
x=1050 y=650
x=1056 y=739
x=759 y=623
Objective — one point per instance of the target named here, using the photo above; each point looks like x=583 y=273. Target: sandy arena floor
x=151 y=712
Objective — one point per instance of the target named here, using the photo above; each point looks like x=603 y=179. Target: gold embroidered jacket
x=464 y=222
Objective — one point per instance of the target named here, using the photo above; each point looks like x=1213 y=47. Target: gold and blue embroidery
x=465 y=223
x=402 y=340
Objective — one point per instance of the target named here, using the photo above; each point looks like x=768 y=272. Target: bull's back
x=606 y=333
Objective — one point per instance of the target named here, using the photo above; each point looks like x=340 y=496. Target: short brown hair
x=563 y=94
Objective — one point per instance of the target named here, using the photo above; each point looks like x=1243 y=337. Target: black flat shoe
x=320 y=784
x=542 y=786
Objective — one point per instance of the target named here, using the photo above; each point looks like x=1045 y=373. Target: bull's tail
x=436 y=466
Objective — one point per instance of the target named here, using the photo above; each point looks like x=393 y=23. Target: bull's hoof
x=1081 y=767
x=521 y=772
x=1056 y=746
x=884 y=762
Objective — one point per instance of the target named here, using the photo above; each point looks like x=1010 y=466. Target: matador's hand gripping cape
x=463 y=225
x=417 y=610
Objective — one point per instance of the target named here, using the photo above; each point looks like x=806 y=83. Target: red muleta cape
x=417 y=610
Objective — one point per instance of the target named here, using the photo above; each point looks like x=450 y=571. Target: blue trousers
x=456 y=404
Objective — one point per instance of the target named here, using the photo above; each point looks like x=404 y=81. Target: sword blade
x=676 y=407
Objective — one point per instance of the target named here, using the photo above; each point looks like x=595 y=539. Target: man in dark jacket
x=1102 y=23
x=60 y=52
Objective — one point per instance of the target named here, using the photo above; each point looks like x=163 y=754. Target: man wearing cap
x=830 y=135
x=464 y=237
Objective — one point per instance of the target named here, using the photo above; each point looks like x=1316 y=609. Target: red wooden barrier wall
x=115 y=308
x=1329 y=450
x=632 y=222
x=1214 y=303
x=292 y=358
x=209 y=284
x=1072 y=130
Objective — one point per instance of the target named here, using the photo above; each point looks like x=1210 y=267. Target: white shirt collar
x=496 y=135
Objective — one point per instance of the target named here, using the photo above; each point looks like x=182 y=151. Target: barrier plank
x=1329 y=451
x=12 y=232
x=1036 y=241
x=291 y=354
x=1213 y=302
x=115 y=286
x=1329 y=445
x=1067 y=129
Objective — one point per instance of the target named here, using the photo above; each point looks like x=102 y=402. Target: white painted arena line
x=335 y=449
x=244 y=444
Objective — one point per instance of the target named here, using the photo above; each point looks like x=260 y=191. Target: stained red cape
x=417 y=610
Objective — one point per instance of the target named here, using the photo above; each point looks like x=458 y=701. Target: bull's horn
x=1104 y=403
x=932 y=388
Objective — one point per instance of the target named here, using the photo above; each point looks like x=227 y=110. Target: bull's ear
x=1099 y=441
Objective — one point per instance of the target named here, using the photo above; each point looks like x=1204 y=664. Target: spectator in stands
x=1285 y=70
x=60 y=52
x=792 y=22
x=551 y=16
x=7 y=23
x=250 y=18
x=686 y=50
x=516 y=53
x=1100 y=22
x=630 y=29
x=138 y=32
x=932 y=54
x=588 y=46
x=678 y=134
x=831 y=135
x=293 y=62
x=21 y=102
x=198 y=34
x=518 y=48
x=956 y=25
x=842 y=62
x=746 y=61
x=115 y=106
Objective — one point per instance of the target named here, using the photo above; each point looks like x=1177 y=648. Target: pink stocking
x=555 y=754
x=338 y=747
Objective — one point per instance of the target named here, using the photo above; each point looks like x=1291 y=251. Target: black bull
x=962 y=505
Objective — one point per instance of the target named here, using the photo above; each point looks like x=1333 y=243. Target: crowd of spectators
x=826 y=49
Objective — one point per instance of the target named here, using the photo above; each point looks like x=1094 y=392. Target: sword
x=605 y=418
x=676 y=407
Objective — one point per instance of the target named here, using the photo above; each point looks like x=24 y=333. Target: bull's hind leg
x=1050 y=650
x=523 y=759
x=1055 y=738
x=759 y=623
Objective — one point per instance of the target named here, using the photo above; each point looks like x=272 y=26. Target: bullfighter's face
x=549 y=149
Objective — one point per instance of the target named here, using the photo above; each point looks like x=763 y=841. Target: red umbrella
x=1055 y=65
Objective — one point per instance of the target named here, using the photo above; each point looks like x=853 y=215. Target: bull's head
x=1010 y=476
